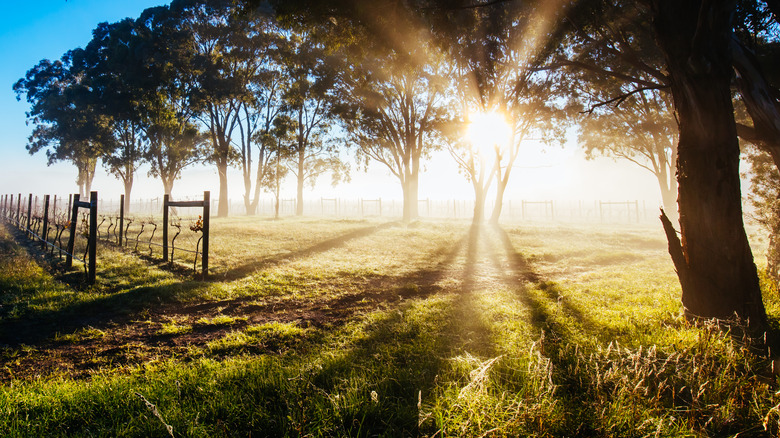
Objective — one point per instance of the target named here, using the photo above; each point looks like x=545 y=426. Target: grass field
x=313 y=327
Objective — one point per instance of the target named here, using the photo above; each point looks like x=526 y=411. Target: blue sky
x=31 y=31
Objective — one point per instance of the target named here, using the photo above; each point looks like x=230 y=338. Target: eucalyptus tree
x=393 y=104
x=214 y=92
x=263 y=106
x=308 y=101
x=686 y=48
x=63 y=113
x=164 y=82
x=497 y=48
x=641 y=130
x=713 y=261
x=277 y=140
x=108 y=62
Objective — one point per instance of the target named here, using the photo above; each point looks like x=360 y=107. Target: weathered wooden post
x=166 y=199
x=206 y=214
x=19 y=210
x=29 y=213
x=45 y=230
x=93 y=206
x=74 y=218
x=636 y=204
x=121 y=217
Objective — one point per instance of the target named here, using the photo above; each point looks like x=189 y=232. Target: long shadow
x=471 y=331
x=378 y=290
x=338 y=241
x=103 y=311
x=37 y=329
x=557 y=342
x=521 y=270
x=414 y=352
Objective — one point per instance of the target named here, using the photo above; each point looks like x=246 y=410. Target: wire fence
x=65 y=232
x=592 y=211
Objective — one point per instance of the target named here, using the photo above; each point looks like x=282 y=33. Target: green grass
x=367 y=328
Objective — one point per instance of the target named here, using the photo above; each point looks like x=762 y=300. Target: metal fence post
x=29 y=214
x=166 y=199
x=45 y=230
x=74 y=218
x=206 y=213
x=121 y=217
x=93 y=207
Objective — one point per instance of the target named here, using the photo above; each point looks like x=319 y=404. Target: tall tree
x=642 y=130
x=105 y=63
x=309 y=100
x=62 y=110
x=497 y=48
x=713 y=260
x=220 y=69
x=263 y=105
x=164 y=80
x=393 y=106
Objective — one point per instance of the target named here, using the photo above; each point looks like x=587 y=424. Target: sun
x=487 y=131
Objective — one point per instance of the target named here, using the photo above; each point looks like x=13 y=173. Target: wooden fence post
x=206 y=213
x=19 y=210
x=29 y=213
x=636 y=204
x=93 y=207
x=166 y=199
x=121 y=217
x=74 y=218
x=44 y=231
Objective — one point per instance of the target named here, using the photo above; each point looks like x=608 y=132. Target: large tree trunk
x=499 y=205
x=128 y=188
x=167 y=184
x=713 y=260
x=410 y=188
x=222 y=207
x=89 y=174
x=479 y=204
x=248 y=194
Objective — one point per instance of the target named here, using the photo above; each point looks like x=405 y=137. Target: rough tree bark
x=713 y=259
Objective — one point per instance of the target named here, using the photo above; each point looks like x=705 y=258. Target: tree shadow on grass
x=400 y=355
x=521 y=270
x=156 y=304
x=249 y=268
x=99 y=312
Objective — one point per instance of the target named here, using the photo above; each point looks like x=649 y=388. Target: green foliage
x=764 y=197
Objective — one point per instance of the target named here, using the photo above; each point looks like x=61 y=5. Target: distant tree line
x=239 y=85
